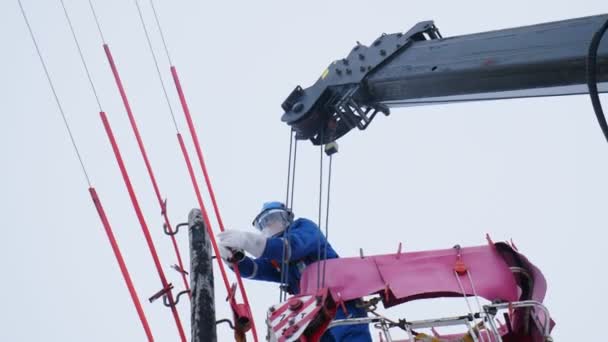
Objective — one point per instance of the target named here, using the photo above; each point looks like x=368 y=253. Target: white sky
x=431 y=177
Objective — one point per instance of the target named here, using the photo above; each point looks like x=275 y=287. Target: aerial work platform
x=512 y=288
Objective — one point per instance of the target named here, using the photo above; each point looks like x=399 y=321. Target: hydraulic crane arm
x=420 y=67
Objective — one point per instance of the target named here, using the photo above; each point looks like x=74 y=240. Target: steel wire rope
x=327 y=219
x=289 y=205
x=320 y=208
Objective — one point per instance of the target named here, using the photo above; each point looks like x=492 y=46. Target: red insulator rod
x=142 y=221
x=199 y=198
x=199 y=153
x=144 y=154
x=121 y=262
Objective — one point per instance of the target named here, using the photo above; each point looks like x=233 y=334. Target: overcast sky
x=531 y=170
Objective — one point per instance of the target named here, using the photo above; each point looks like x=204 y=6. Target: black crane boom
x=420 y=67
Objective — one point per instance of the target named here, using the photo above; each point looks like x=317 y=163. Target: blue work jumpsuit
x=303 y=236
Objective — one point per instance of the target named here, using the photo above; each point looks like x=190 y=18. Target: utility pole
x=201 y=280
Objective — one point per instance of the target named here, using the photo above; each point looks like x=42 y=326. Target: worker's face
x=273 y=223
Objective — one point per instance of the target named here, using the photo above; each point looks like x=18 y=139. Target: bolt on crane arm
x=420 y=67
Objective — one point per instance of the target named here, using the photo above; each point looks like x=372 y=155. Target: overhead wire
x=142 y=150
x=201 y=160
x=142 y=221
x=160 y=76
x=52 y=86
x=191 y=172
x=129 y=185
x=161 y=203
x=135 y=129
x=86 y=68
x=103 y=39
x=94 y=196
x=160 y=31
x=185 y=153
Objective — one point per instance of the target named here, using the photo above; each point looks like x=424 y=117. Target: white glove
x=252 y=243
x=225 y=253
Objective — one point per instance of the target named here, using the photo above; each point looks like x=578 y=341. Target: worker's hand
x=252 y=243
x=230 y=255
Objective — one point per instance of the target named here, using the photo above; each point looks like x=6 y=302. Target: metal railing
x=475 y=331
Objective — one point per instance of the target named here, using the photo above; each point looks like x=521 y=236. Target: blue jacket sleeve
x=300 y=241
x=258 y=269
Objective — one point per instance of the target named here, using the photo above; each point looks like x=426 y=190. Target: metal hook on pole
x=168 y=303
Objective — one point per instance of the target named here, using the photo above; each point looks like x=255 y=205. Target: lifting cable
x=201 y=160
x=291 y=177
x=321 y=134
x=96 y=201
x=131 y=191
x=162 y=203
x=331 y=157
x=322 y=258
x=592 y=78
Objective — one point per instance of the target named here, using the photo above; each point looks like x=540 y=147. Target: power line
x=127 y=180
x=86 y=68
x=48 y=77
x=96 y=201
x=199 y=154
x=97 y=21
x=160 y=30
x=160 y=77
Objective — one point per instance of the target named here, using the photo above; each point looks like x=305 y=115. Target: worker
x=280 y=236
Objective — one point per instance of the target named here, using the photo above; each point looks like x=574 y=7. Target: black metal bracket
x=168 y=303
x=339 y=100
x=171 y=233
